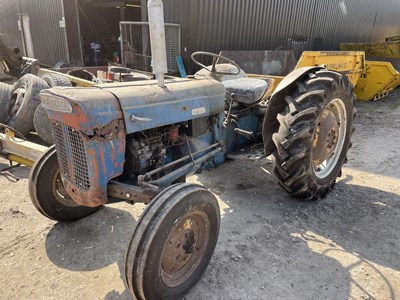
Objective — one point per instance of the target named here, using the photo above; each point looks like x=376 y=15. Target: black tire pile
x=20 y=106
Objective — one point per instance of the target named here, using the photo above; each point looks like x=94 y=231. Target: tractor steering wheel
x=214 y=62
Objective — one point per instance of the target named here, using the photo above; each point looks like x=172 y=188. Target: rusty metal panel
x=48 y=29
x=91 y=147
x=296 y=25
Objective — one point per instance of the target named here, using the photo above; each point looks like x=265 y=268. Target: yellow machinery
x=351 y=63
x=378 y=79
x=19 y=150
x=389 y=49
x=380 y=75
x=373 y=80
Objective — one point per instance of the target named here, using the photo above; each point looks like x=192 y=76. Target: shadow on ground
x=275 y=247
x=93 y=243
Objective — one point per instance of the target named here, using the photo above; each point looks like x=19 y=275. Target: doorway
x=27 y=35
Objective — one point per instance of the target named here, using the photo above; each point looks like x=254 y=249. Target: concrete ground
x=345 y=246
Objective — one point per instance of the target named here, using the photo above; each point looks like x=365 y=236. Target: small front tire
x=48 y=194
x=172 y=243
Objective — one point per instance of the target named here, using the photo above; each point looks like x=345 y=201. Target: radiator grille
x=70 y=148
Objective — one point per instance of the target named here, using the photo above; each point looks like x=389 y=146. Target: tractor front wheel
x=314 y=134
x=48 y=194
x=172 y=243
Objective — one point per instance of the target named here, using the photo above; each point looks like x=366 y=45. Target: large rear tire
x=48 y=194
x=314 y=134
x=172 y=243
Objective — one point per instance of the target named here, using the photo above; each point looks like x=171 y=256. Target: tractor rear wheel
x=48 y=194
x=172 y=243
x=314 y=134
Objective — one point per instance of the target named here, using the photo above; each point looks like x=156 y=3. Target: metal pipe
x=186 y=169
x=142 y=178
x=157 y=39
x=19 y=159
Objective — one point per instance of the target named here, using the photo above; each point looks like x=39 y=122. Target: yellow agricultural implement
x=372 y=79
x=377 y=80
x=389 y=49
x=380 y=75
x=351 y=63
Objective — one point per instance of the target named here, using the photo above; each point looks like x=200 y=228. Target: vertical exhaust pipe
x=157 y=39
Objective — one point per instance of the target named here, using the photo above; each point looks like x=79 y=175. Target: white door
x=27 y=36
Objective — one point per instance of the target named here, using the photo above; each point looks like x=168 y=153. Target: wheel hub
x=325 y=137
x=60 y=193
x=184 y=248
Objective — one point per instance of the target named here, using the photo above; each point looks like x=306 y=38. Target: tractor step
x=253 y=152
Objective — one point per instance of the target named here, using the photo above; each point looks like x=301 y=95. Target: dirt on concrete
x=271 y=246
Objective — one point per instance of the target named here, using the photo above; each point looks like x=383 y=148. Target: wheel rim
x=59 y=192
x=184 y=248
x=333 y=141
x=18 y=98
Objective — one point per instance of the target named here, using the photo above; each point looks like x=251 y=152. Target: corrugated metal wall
x=49 y=38
x=298 y=25
x=73 y=33
x=9 y=33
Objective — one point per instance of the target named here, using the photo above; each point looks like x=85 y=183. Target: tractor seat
x=245 y=90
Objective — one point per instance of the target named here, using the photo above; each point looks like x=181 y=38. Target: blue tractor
x=138 y=141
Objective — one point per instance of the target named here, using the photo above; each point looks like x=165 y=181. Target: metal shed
x=63 y=29
x=297 y=25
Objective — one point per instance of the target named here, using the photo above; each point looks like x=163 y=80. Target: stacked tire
x=5 y=101
x=41 y=120
x=20 y=106
x=24 y=101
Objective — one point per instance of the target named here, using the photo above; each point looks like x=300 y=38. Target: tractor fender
x=277 y=104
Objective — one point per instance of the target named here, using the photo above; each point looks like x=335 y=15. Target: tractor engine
x=144 y=152
x=151 y=149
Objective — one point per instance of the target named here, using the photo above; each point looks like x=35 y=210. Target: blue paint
x=152 y=107
x=181 y=66
x=181 y=100
x=233 y=141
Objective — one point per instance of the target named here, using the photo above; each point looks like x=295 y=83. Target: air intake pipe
x=157 y=39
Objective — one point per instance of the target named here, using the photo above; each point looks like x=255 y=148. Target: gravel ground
x=270 y=246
